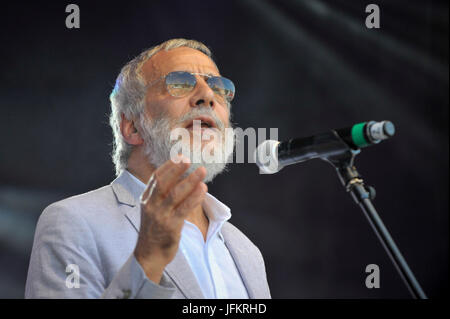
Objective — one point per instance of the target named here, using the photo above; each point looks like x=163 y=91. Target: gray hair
x=128 y=95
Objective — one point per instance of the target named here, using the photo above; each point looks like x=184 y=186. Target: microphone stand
x=363 y=195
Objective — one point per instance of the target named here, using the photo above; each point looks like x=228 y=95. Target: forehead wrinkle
x=195 y=68
x=165 y=62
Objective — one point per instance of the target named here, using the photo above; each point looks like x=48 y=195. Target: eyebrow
x=195 y=73
x=204 y=74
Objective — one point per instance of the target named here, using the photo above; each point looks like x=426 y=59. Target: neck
x=139 y=166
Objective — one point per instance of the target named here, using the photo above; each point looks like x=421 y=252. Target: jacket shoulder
x=73 y=214
x=90 y=198
x=85 y=204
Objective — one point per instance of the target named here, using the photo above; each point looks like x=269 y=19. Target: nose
x=203 y=95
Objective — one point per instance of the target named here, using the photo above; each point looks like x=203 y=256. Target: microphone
x=271 y=156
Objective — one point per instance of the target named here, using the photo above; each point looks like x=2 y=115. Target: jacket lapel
x=181 y=274
x=245 y=265
x=127 y=192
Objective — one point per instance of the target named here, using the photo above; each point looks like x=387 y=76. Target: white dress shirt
x=210 y=260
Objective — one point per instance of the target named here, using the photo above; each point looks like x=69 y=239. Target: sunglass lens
x=222 y=86
x=180 y=83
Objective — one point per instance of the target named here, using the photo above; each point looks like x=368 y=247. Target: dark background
x=301 y=66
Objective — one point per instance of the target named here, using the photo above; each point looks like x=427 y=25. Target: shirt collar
x=138 y=181
x=216 y=211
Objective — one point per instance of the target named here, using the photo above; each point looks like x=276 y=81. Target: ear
x=129 y=132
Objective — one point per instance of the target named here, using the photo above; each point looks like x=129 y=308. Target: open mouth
x=205 y=122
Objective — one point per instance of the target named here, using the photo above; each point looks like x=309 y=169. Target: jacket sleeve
x=65 y=263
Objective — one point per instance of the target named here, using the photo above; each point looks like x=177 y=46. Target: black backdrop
x=300 y=66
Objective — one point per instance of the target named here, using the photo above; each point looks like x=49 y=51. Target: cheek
x=163 y=107
x=224 y=114
x=153 y=106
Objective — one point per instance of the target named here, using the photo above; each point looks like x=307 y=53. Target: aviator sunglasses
x=181 y=83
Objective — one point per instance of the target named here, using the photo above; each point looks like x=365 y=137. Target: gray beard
x=156 y=136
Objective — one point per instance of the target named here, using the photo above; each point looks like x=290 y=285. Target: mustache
x=203 y=111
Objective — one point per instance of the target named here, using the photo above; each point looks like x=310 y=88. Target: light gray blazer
x=98 y=231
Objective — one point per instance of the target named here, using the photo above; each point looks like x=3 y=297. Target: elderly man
x=154 y=232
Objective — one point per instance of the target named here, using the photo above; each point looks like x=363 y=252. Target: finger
x=171 y=162
x=163 y=178
x=180 y=191
x=195 y=198
x=170 y=176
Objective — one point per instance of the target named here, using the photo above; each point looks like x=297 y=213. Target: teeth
x=202 y=124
